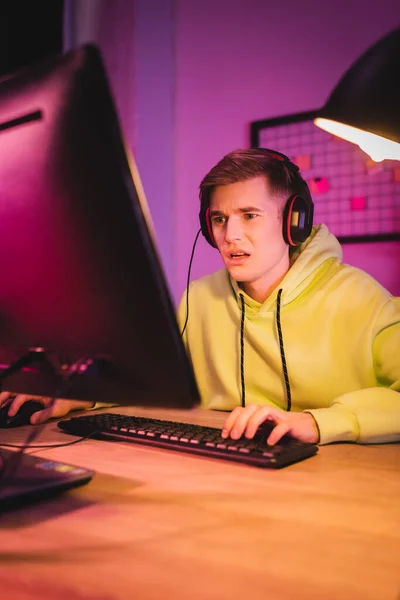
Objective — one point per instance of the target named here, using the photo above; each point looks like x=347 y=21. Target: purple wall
x=189 y=76
x=239 y=61
x=136 y=41
x=154 y=118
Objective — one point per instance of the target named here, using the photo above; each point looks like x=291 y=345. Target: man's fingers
x=278 y=432
x=227 y=426
x=263 y=414
x=246 y=421
x=5 y=397
x=41 y=416
x=237 y=421
x=16 y=404
x=240 y=423
x=59 y=408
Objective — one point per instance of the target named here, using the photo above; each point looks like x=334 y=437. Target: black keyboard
x=198 y=439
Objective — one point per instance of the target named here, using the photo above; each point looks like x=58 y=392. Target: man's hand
x=60 y=407
x=245 y=421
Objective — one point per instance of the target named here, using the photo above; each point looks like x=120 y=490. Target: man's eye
x=218 y=220
x=250 y=216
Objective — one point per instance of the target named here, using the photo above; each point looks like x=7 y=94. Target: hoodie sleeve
x=370 y=415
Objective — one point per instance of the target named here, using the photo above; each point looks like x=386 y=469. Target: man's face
x=247 y=227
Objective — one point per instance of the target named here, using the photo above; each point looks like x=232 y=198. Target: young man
x=286 y=332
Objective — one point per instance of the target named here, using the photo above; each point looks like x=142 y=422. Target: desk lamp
x=364 y=107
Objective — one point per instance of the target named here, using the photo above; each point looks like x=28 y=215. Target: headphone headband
x=282 y=157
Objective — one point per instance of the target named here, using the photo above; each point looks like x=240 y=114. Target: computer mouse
x=23 y=415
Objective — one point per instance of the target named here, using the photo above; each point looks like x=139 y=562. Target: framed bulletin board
x=357 y=198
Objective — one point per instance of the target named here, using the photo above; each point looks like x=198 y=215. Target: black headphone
x=298 y=213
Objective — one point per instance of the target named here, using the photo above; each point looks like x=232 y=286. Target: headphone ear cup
x=205 y=225
x=297 y=220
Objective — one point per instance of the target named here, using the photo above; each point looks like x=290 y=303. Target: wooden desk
x=156 y=524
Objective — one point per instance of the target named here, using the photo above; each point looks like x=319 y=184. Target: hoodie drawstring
x=281 y=348
x=242 y=352
x=282 y=351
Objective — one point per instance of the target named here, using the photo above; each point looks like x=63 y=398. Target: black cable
x=242 y=352
x=188 y=282
x=282 y=351
x=81 y=439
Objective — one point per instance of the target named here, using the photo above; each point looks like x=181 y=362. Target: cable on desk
x=81 y=439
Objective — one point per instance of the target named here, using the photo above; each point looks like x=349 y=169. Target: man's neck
x=261 y=289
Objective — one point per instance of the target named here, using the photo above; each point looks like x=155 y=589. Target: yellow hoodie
x=341 y=334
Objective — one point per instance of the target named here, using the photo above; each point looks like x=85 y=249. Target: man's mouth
x=237 y=257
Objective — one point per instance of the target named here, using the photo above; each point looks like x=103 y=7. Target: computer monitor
x=80 y=274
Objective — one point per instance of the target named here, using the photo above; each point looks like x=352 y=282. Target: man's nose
x=234 y=230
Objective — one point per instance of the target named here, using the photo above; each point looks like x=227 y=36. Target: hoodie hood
x=319 y=250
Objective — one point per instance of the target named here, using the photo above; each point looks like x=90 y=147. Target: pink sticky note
x=303 y=161
x=358 y=203
x=318 y=185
